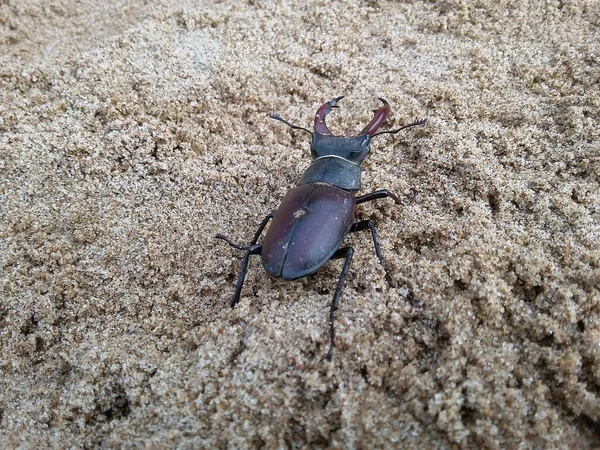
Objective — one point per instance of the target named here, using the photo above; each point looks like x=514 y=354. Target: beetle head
x=355 y=148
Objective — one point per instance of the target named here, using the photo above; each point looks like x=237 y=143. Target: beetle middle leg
x=252 y=249
x=347 y=253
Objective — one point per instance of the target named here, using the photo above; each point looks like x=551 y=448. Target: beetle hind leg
x=346 y=252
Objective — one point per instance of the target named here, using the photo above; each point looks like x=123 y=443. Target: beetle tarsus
x=413 y=199
x=260 y=229
x=226 y=239
x=368 y=225
x=390 y=280
x=252 y=250
x=346 y=252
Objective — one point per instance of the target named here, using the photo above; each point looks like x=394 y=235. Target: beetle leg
x=368 y=225
x=261 y=227
x=252 y=250
x=347 y=253
x=226 y=239
x=384 y=193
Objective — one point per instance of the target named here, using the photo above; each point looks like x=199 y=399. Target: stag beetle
x=315 y=216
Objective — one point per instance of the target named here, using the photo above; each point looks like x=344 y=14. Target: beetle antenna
x=416 y=123
x=239 y=247
x=294 y=127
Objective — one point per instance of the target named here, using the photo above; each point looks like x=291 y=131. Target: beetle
x=315 y=216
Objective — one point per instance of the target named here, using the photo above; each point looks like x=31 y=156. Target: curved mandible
x=380 y=116
x=324 y=109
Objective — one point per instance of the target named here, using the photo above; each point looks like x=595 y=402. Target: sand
x=133 y=132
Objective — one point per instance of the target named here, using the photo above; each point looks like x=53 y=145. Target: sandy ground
x=132 y=132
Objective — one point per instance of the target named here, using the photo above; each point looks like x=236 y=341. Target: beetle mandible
x=314 y=217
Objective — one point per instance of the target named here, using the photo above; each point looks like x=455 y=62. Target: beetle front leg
x=346 y=252
x=384 y=193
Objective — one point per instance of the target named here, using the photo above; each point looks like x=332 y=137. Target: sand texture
x=132 y=132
